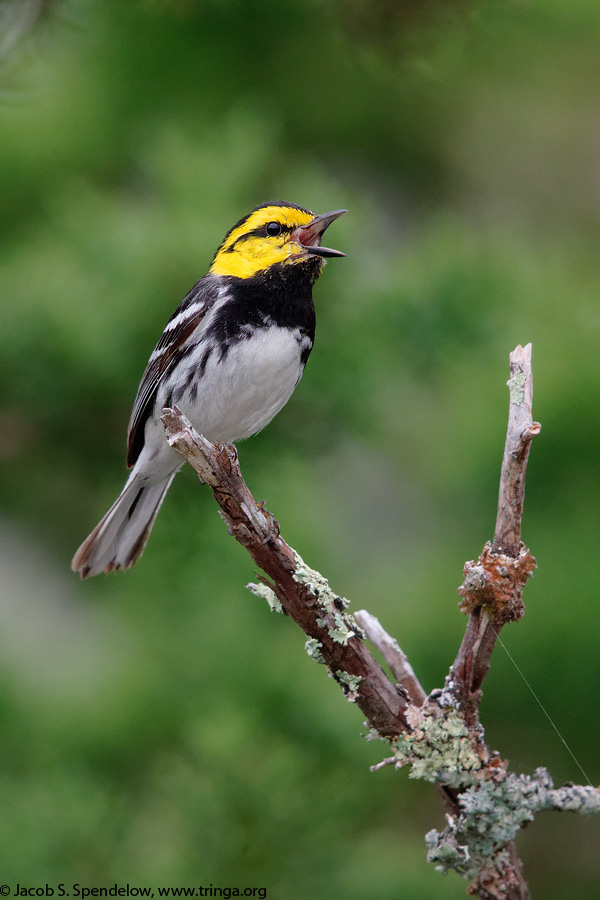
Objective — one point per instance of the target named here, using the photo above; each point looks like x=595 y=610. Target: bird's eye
x=273 y=229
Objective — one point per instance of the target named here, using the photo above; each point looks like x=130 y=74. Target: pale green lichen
x=492 y=812
x=447 y=854
x=266 y=593
x=516 y=387
x=341 y=625
x=319 y=586
x=438 y=749
x=313 y=648
x=341 y=631
x=350 y=682
x=310 y=577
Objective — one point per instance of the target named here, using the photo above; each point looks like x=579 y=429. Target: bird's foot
x=273 y=529
x=230 y=452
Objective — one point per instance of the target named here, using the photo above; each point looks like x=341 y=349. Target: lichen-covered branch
x=491 y=596
x=334 y=636
x=439 y=737
x=477 y=842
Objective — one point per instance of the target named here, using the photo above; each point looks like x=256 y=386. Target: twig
x=521 y=431
x=393 y=654
x=388 y=761
x=493 y=585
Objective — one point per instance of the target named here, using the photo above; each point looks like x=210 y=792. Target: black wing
x=178 y=330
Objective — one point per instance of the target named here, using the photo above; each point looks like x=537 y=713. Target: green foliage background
x=161 y=726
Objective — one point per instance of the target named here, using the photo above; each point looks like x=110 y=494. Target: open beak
x=309 y=236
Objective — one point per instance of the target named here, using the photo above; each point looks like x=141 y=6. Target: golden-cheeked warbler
x=230 y=357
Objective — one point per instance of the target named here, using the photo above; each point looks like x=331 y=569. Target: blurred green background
x=161 y=726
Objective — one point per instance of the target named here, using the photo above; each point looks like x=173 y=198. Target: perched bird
x=230 y=357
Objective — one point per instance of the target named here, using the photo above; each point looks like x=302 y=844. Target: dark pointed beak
x=309 y=236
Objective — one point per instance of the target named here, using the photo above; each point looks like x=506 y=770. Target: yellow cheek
x=249 y=257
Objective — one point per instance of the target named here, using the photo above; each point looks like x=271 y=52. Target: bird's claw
x=273 y=529
x=230 y=452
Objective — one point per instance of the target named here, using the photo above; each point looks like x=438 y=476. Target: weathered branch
x=439 y=736
x=520 y=432
x=334 y=636
x=492 y=596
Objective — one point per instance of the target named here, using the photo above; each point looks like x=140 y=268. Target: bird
x=229 y=357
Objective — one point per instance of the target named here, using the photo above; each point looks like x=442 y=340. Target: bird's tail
x=119 y=539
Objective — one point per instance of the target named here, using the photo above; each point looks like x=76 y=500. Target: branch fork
x=439 y=735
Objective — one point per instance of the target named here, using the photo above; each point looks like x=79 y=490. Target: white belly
x=240 y=394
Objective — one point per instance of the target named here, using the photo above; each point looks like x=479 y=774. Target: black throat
x=280 y=296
